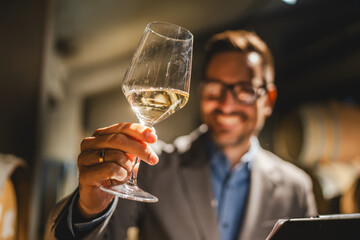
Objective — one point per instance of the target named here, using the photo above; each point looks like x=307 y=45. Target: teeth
x=227 y=120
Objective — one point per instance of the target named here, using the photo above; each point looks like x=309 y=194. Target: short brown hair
x=242 y=41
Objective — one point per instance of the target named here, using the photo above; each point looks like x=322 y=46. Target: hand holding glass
x=156 y=84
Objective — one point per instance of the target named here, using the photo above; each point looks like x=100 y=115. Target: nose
x=227 y=102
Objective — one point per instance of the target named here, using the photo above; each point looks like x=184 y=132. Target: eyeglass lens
x=243 y=92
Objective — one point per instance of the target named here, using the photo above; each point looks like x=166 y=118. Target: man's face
x=231 y=121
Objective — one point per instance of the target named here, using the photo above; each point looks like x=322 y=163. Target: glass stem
x=132 y=180
x=133 y=176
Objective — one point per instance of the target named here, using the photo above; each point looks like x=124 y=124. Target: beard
x=225 y=138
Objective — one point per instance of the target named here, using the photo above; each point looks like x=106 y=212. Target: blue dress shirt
x=231 y=188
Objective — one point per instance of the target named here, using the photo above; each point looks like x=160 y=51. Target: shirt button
x=225 y=225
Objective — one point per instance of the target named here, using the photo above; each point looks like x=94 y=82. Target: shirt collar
x=250 y=156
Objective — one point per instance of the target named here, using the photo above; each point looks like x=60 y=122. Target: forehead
x=232 y=67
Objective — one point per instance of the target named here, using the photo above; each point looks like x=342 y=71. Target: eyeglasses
x=243 y=92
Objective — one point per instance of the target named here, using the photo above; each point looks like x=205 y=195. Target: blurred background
x=62 y=63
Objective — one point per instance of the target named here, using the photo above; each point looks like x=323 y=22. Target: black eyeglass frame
x=258 y=91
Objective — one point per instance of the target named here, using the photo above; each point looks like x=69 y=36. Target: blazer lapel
x=263 y=181
x=198 y=190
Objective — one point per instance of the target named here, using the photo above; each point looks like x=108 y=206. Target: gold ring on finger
x=102 y=156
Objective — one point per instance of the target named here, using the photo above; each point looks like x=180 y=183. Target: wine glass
x=156 y=84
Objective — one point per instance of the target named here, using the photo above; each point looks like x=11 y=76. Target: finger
x=90 y=158
x=100 y=173
x=123 y=143
x=133 y=130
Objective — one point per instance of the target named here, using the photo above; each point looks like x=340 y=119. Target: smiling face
x=230 y=121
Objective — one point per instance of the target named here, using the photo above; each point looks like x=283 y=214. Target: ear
x=272 y=95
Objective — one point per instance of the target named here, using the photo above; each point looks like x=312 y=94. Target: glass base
x=131 y=192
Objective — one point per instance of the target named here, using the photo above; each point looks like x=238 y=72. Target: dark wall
x=316 y=48
x=22 y=25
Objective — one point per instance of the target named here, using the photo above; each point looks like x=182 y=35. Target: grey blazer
x=182 y=182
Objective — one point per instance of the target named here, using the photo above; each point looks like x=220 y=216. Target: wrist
x=90 y=204
x=80 y=223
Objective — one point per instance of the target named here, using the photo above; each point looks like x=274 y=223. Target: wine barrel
x=14 y=198
x=320 y=133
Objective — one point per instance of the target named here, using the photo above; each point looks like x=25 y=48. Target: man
x=216 y=183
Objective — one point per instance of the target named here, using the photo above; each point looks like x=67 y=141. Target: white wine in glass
x=156 y=84
x=153 y=105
